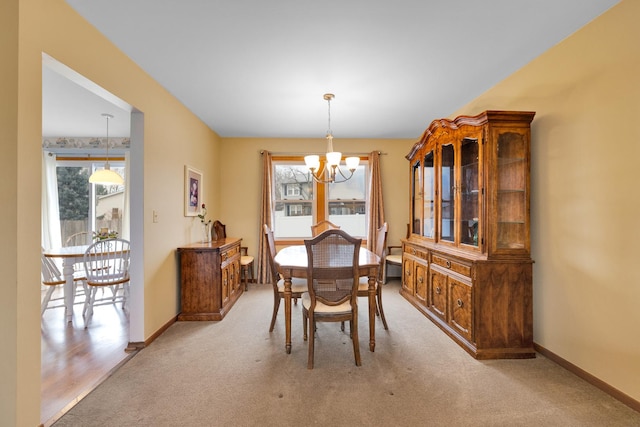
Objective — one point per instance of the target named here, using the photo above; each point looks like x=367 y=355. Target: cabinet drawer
x=416 y=252
x=454 y=266
x=438 y=293
x=229 y=253
x=460 y=307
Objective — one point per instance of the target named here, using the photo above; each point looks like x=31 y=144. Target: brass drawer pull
x=448 y=264
x=460 y=303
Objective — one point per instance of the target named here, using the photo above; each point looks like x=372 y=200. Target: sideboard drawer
x=452 y=265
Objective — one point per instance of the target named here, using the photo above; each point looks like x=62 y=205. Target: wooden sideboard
x=209 y=279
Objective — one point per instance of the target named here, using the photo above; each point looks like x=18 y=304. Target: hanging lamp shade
x=106 y=176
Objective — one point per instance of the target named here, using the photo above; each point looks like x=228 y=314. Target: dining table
x=291 y=261
x=70 y=256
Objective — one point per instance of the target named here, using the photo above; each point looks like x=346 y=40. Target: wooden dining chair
x=246 y=260
x=363 y=285
x=393 y=256
x=53 y=279
x=323 y=226
x=332 y=285
x=79 y=239
x=298 y=286
x=106 y=265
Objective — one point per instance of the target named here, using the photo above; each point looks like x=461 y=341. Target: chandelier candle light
x=106 y=176
x=328 y=173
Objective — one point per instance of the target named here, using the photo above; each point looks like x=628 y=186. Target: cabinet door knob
x=438 y=290
x=420 y=279
x=460 y=303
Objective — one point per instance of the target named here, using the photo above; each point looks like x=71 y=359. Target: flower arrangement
x=203 y=215
x=104 y=234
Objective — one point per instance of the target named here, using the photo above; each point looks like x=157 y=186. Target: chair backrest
x=381 y=240
x=106 y=262
x=271 y=253
x=220 y=230
x=323 y=226
x=79 y=239
x=50 y=273
x=332 y=267
x=381 y=245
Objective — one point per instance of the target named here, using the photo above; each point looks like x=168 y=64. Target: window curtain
x=376 y=204
x=126 y=211
x=264 y=266
x=51 y=235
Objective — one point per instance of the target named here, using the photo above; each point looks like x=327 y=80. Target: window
x=300 y=202
x=86 y=207
x=293 y=189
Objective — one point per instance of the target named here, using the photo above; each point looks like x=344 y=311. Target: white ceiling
x=260 y=68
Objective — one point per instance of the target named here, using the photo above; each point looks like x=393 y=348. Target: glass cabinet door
x=447 y=193
x=416 y=199
x=469 y=191
x=429 y=196
x=512 y=191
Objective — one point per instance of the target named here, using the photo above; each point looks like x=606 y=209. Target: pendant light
x=333 y=158
x=106 y=176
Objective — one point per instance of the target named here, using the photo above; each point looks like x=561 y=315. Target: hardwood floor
x=74 y=359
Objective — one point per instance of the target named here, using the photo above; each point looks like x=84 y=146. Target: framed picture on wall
x=192 y=191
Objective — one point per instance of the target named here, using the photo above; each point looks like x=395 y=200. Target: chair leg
x=354 y=337
x=251 y=272
x=89 y=308
x=47 y=298
x=276 y=306
x=379 y=306
x=304 y=324
x=312 y=326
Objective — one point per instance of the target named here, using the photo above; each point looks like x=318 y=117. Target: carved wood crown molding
x=478 y=120
x=85 y=143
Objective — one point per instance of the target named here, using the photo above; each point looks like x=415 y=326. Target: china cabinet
x=467 y=264
x=209 y=279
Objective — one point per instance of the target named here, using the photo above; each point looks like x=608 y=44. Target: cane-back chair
x=332 y=285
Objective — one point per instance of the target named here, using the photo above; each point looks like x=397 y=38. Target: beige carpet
x=236 y=373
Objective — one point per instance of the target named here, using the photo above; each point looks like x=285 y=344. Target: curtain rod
x=289 y=153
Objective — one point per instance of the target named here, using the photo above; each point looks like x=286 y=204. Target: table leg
x=69 y=294
x=372 y=313
x=287 y=313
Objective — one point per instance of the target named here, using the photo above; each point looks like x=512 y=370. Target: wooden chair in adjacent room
x=81 y=238
x=363 y=287
x=106 y=265
x=53 y=279
x=298 y=286
x=332 y=285
x=246 y=260
x=393 y=258
x=323 y=226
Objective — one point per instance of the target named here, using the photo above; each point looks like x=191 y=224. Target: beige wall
x=584 y=148
x=240 y=210
x=585 y=200
x=173 y=137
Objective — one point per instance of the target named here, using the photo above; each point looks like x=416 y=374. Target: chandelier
x=106 y=176
x=333 y=158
